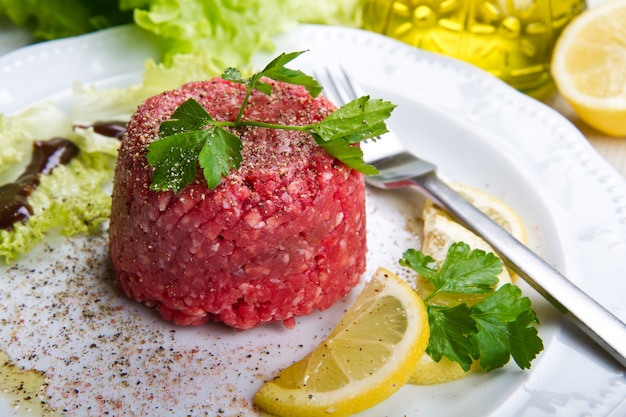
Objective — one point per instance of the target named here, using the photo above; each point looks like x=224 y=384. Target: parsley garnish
x=499 y=326
x=193 y=138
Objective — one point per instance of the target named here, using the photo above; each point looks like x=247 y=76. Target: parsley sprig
x=499 y=326
x=192 y=138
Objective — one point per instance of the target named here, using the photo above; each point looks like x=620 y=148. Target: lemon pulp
x=588 y=67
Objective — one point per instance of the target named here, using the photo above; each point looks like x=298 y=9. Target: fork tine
x=355 y=90
x=340 y=88
x=329 y=88
x=338 y=91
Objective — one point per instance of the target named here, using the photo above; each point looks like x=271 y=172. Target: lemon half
x=589 y=66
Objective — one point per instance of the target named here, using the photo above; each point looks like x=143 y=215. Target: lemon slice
x=369 y=355
x=439 y=233
x=496 y=209
x=588 y=66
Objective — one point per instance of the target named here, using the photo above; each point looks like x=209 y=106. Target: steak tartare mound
x=279 y=237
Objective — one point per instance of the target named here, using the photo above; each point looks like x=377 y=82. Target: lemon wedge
x=588 y=66
x=440 y=231
x=369 y=355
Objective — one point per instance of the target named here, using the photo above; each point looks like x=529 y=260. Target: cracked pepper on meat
x=279 y=237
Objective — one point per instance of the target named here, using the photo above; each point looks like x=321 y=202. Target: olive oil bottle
x=511 y=39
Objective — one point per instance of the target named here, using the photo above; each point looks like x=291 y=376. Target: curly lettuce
x=73 y=198
x=232 y=30
x=18 y=133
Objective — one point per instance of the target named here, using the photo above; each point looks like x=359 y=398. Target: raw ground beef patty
x=281 y=236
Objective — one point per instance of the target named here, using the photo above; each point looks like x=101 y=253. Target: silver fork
x=400 y=169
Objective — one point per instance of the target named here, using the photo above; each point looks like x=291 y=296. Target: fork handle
x=598 y=323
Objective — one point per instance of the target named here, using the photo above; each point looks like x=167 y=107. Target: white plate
x=62 y=314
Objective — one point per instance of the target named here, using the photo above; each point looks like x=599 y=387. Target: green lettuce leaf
x=52 y=19
x=232 y=30
x=18 y=133
x=90 y=103
x=74 y=198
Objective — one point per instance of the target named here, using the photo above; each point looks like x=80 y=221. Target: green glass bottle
x=511 y=39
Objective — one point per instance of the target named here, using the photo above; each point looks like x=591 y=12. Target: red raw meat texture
x=279 y=237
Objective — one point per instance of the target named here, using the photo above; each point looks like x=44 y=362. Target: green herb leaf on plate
x=463 y=271
x=493 y=330
x=449 y=330
x=502 y=323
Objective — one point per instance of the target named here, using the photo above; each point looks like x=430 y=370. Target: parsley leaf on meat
x=192 y=136
x=184 y=142
x=497 y=327
x=276 y=70
x=358 y=120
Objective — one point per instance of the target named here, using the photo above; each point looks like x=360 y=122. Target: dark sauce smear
x=46 y=156
x=112 y=129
